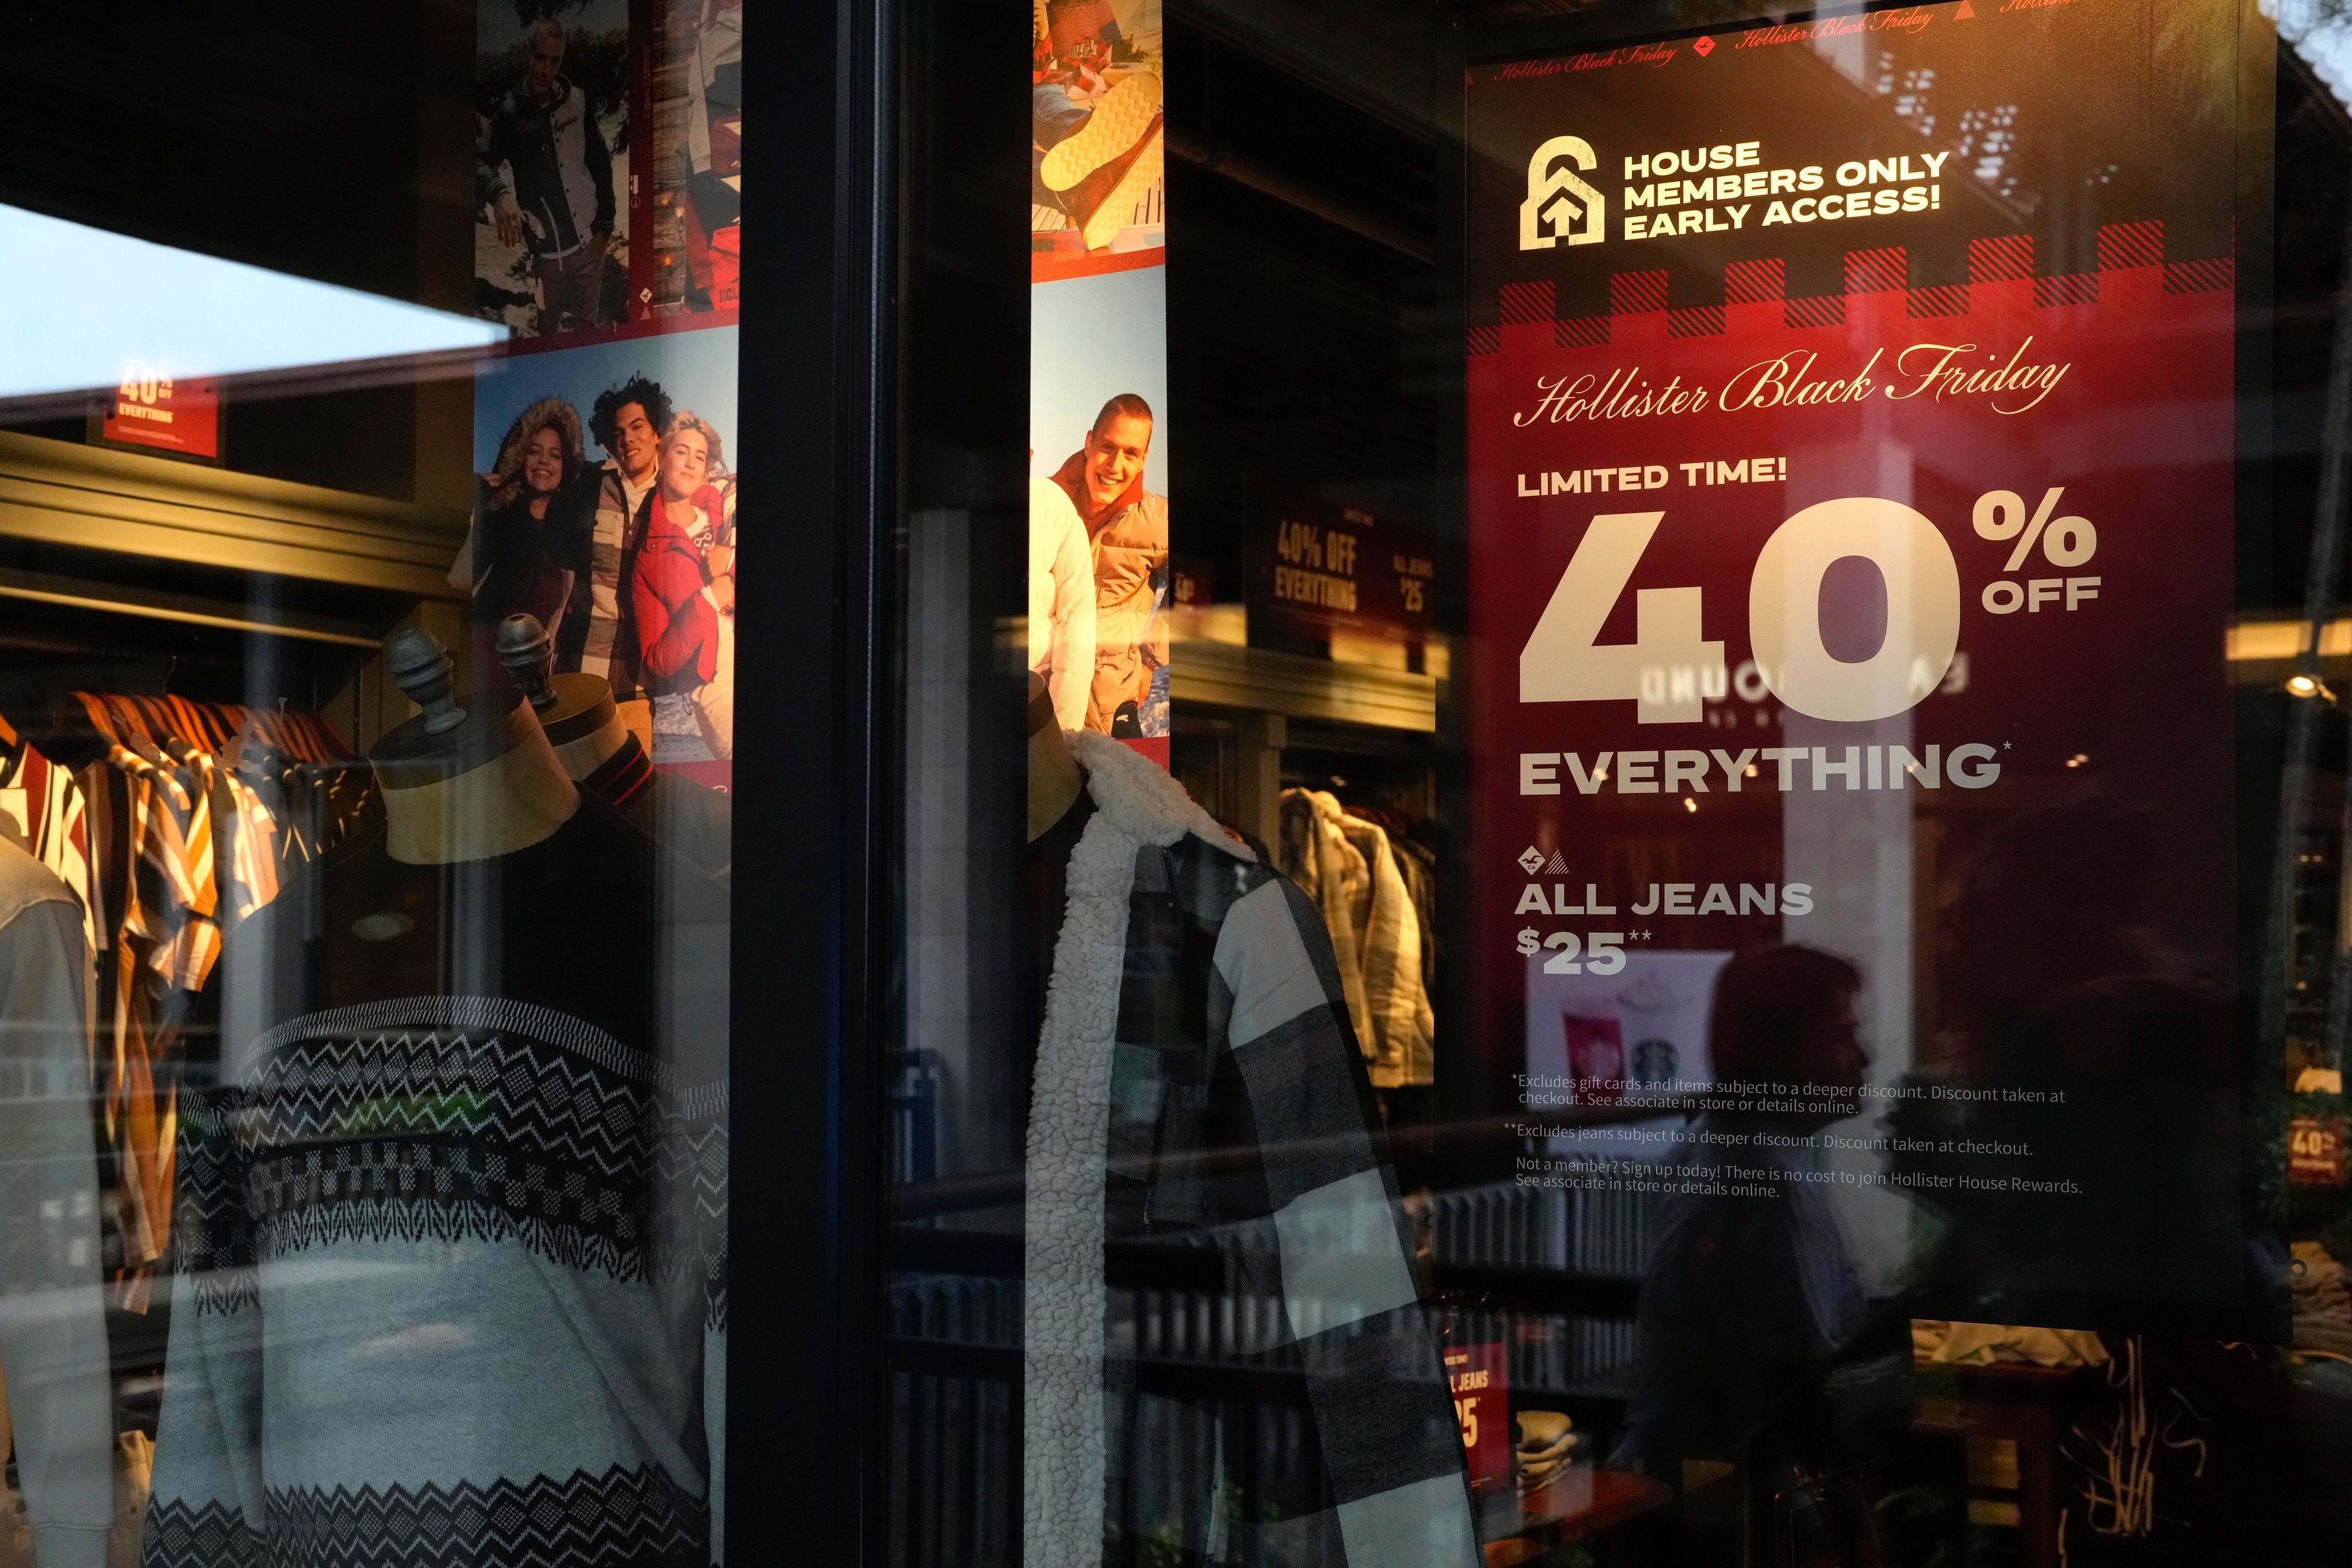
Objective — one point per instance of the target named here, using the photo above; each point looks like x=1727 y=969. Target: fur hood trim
x=1140 y=796
x=1064 y=1440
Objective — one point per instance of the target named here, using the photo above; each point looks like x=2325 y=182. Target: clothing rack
x=171 y=821
x=120 y=718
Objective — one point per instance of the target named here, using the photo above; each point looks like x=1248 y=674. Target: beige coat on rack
x=1346 y=866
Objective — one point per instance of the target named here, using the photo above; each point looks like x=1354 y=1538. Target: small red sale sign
x=149 y=409
x=2315 y=1152
x=1480 y=1378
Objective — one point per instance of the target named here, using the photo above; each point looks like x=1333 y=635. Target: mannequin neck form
x=512 y=802
x=1055 y=781
x=584 y=756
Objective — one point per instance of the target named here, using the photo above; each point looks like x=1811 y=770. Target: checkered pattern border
x=2003 y=259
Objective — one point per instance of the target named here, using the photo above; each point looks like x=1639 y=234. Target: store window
x=371 y=437
x=1647 y=867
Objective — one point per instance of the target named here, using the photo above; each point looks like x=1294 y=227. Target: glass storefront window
x=370 y=432
x=1670 y=887
x=1526 y=783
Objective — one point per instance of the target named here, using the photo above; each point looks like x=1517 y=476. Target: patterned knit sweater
x=452 y=1269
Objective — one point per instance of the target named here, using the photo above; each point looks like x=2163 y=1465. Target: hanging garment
x=1346 y=865
x=1197 y=1086
x=1332 y=873
x=46 y=806
x=53 y=1347
x=174 y=845
x=1417 y=861
x=483 y=1221
x=164 y=953
x=249 y=866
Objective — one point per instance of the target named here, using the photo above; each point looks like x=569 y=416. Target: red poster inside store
x=1851 y=505
x=2315 y=1152
x=1477 y=1372
x=163 y=413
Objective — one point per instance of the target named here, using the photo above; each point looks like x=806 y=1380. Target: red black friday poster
x=1852 y=497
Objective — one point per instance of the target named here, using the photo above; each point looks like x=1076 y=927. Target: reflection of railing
x=965 y=1193
x=914 y=1116
x=1560 y=1268
x=1181 y=1340
x=1568 y=1252
x=1557 y=1273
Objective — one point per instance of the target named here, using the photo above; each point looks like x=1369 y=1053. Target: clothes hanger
x=131 y=729
x=196 y=723
x=100 y=717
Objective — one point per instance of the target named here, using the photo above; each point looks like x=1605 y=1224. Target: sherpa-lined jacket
x=1348 y=866
x=1197 y=1086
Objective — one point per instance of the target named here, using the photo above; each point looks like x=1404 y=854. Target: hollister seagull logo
x=1557 y=200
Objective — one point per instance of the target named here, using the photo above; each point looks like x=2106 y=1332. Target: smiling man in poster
x=1842 y=475
x=1127 y=526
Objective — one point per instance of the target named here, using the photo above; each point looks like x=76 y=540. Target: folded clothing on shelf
x=1544 y=1446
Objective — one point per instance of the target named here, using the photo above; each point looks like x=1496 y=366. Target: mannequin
x=1054 y=777
x=464 y=785
x=605 y=759
x=582 y=722
x=1194 y=995
x=493 y=1329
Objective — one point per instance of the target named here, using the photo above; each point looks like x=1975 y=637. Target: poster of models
x=568 y=99
x=1852 y=495
x=1098 y=540
x=553 y=85
x=606 y=508
x=694 y=91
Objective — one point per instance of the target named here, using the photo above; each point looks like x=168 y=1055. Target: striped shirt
x=45 y=805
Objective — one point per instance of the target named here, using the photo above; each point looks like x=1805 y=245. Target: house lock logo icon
x=1559 y=205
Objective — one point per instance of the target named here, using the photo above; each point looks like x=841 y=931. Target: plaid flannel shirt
x=1198 y=1085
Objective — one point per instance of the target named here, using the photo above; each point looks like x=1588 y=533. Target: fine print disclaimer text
x=1780 y=1159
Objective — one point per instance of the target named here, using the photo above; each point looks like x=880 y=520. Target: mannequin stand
x=464 y=784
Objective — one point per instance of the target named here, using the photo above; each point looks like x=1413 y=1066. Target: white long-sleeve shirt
x=1061 y=601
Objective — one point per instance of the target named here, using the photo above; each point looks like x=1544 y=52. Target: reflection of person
x=1127 y=529
x=709 y=206
x=547 y=175
x=2112 y=1056
x=627 y=422
x=1061 y=602
x=1749 y=1299
x=530 y=544
x=683 y=591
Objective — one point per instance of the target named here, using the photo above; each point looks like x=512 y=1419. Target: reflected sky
x=88 y=303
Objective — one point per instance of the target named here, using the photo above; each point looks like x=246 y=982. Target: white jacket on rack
x=1346 y=866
